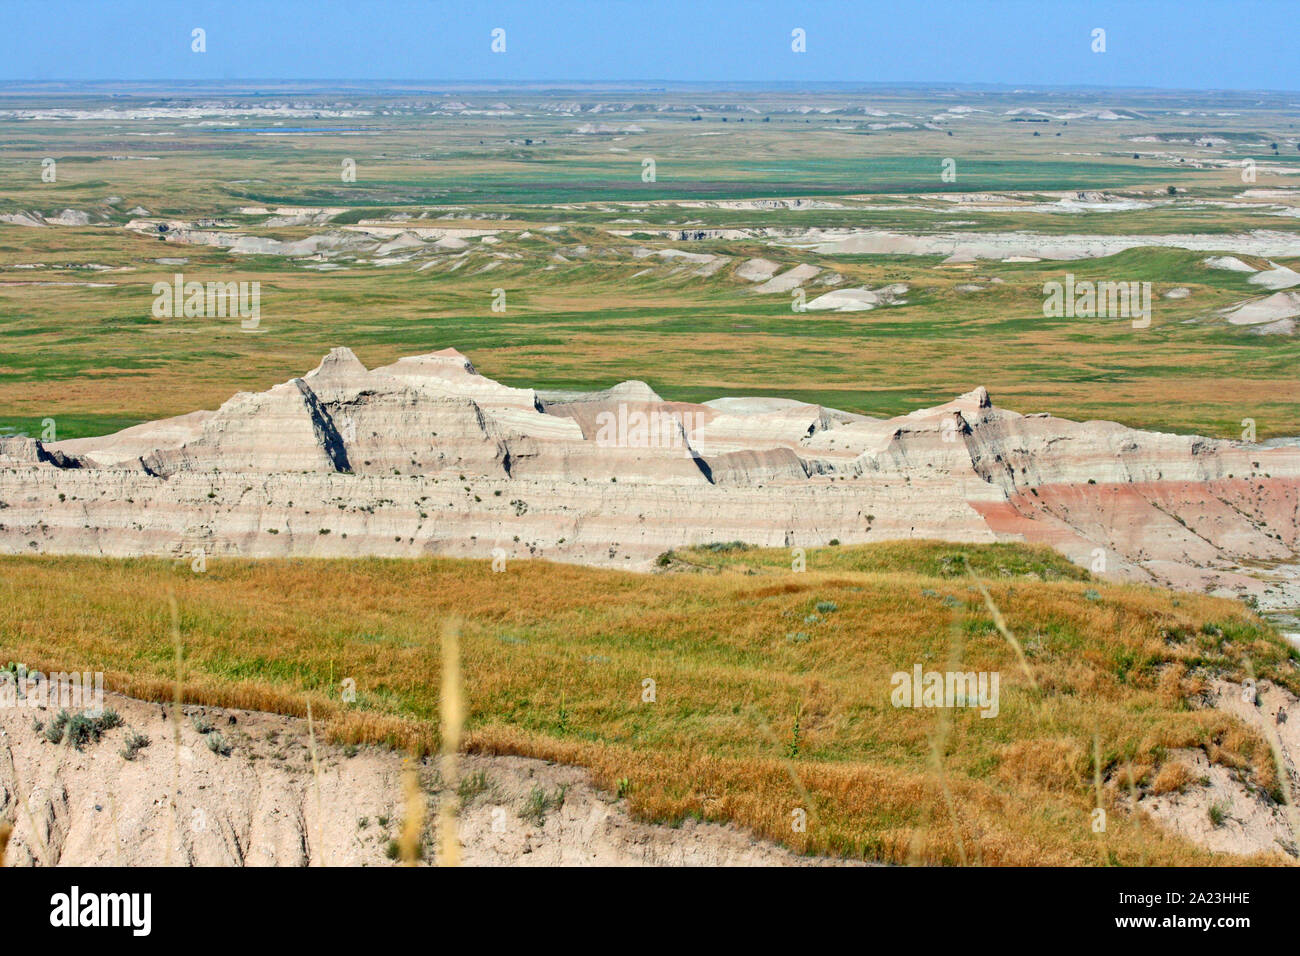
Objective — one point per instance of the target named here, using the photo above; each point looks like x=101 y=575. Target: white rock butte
x=427 y=457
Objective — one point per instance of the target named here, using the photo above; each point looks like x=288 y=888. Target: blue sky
x=1178 y=44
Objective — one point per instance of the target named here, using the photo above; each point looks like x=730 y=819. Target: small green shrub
x=539 y=803
x=471 y=786
x=80 y=729
x=134 y=744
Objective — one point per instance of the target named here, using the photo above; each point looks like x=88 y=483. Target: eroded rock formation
x=426 y=456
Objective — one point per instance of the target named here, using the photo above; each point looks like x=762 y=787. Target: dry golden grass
x=451 y=716
x=1172 y=778
x=772 y=688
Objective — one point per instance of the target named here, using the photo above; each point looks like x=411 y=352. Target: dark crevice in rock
x=323 y=425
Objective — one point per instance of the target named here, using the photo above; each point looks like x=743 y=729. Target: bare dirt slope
x=262 y=805
x=1214 y=807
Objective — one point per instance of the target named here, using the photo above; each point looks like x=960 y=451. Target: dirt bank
x=262 y=804
x=1215 y=807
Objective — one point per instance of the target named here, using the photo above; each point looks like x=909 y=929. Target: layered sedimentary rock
x=426 y=456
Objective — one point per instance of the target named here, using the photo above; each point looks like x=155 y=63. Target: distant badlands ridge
x=428 y=457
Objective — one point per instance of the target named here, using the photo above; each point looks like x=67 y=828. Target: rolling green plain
x=559 y=175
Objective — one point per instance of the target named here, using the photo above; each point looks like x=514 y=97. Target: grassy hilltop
x=772 y=688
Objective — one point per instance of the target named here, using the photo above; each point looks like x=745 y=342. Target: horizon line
x=704 y=85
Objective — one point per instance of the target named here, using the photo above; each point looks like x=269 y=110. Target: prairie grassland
x=584 y=310
x=97 y=360
x=771 y=688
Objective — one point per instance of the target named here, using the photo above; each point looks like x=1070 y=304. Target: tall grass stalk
x=1000 y=623
x=315 y=785
x=177 y=698
x=452 y=712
